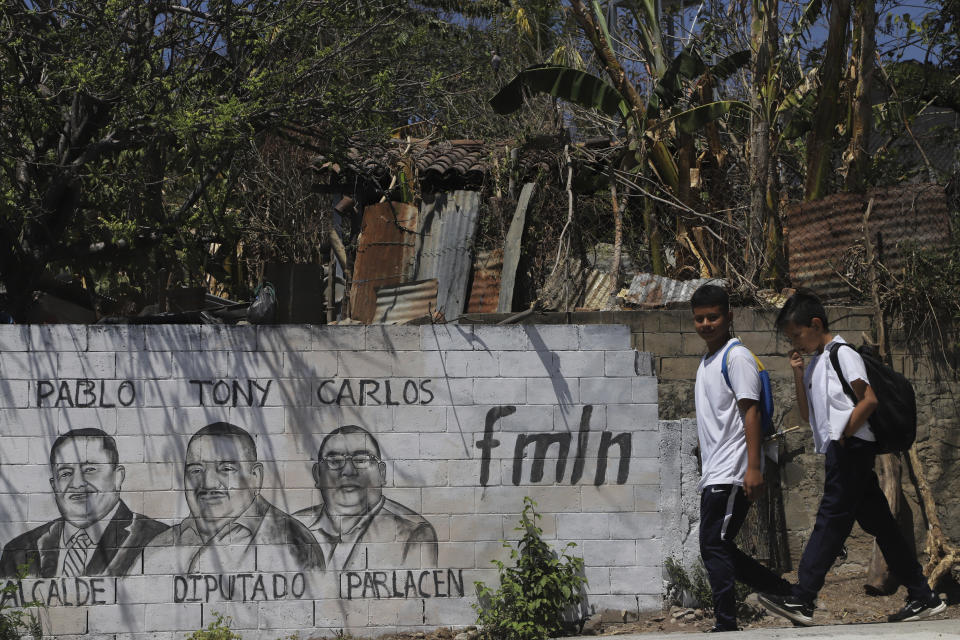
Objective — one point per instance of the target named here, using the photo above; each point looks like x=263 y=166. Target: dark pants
x=851 y=493
x=723 y=508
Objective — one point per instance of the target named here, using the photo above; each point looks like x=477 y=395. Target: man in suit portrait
x=97 y=534
x=231 y=527
x=357 y=526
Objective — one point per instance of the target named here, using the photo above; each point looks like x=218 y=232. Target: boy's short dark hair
x=710 y=295
x=801 y=308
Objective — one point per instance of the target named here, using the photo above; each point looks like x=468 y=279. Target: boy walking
x=851 y=492
x=730 y=432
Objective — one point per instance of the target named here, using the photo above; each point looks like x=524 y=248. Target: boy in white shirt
x=730 y=433
x=851 y=491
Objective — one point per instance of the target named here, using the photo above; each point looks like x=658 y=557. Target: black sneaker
x=719 y=629
x=918 y=609
x=790 y=607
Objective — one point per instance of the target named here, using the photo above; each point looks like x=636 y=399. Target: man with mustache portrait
x=356 y=525
x=97 y=534
x=231 y=527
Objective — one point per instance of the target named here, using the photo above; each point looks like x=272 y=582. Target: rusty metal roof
x=404 y=303
x=387 y=241
x=485 y=289
x=825 y=237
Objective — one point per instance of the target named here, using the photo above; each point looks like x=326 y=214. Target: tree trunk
x=617 y=238
x=880 y=581
x=861 y=113
x=763 y=43
x=820 y=138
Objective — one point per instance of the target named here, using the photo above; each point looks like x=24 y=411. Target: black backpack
x=894 y=422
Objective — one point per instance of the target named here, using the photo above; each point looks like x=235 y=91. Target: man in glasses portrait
x=356 y=525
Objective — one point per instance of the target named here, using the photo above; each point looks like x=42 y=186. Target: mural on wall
x=350 y=475
x=96 y=533
x=231 y=527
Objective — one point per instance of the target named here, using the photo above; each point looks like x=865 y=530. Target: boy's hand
x=753 y=484
x=796 y=362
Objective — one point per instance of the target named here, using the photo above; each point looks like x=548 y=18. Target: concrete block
x=340 y=613
x=487 y=552
x=422 y=364
x=547 y=337
x=675 y=320
x=26 y=365
x=87 y=365
x=15 y=451
x=761 y=342
x=449 y=391
x=499 y=391
x=613 y=498
x=92 y=418
x=228 y=365
x=470 y=364
x=604 y=337
x=628 y=363
x=16 y=393
x=338 y=338
x=58 y=337
x=386 y=337
x=217 y=337
x=127 y=618
x=173 y=617
x=693 y=345
x=605 y=390
x=663 y=344
x=598 y=580
x=448 y=611
x=650 y=552
x=241 y=615
x=295 y=614
x=173 y=337
x=609 y=553
x=60 y=621
x=584 y=526
x=635 y=580
x=632 y=417
x=553 y=391
x=447 y=337
x=30 y=422
x=528 y=364
x=643 y=390
x=14 y=337
x=456 y=555
x=399 y=446
x=580 y=364
x=634 y=526
x=472 y=527
x=448 y=500
x=647 y=497
x=420 y=419
x=366 y=364
x=420 y=473
x=549 y=499
x=505 y=338
x=144 y=364
x=283 y=338
x=119 y=338
x=442 y=446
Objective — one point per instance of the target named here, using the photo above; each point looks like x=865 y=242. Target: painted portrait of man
x=231 y=526
x=97 y=533
x=356 y=525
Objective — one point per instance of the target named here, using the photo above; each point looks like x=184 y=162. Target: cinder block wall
x=460 y=424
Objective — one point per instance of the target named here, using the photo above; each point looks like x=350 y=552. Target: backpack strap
x=723 y=363
x=835 y=361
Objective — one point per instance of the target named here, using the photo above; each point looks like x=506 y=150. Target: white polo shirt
x=830 y=407
x=723 y=442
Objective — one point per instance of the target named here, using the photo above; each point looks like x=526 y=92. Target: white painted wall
x=143 y=385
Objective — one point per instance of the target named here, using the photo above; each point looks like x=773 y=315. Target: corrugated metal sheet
x=597 y=290
x=384 y=243
x=823 y=236
x=445 y=247
x=485 y=290
x=405 y=302
x=649 y=290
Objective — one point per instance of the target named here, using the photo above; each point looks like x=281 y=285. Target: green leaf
x=562 y=82
x=693 y=119
x=730 y=65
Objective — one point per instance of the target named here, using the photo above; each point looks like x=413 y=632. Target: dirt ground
x=842 y=601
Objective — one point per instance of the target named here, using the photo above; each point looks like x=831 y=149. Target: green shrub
x=536 y=597
x=219 y=629
x=14 y=621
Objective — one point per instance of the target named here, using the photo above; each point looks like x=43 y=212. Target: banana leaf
x=562 y=82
